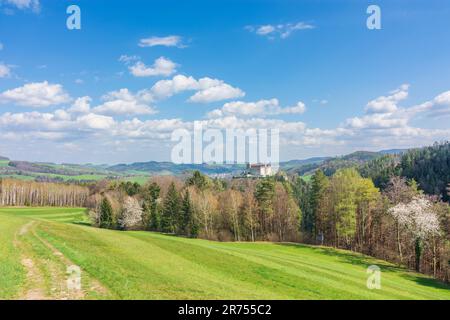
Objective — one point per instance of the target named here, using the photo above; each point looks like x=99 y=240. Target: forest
x=393 y=207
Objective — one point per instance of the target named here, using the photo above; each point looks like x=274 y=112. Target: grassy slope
x=143 y=265
x=11 y=272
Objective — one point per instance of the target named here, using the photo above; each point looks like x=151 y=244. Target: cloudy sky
x=137 y=70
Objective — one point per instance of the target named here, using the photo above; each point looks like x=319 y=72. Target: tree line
x=30 y=193
x=428 y=166
x=238 y=210
x=398 y=223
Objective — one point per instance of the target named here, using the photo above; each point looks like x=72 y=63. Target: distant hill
x=154 y=167
x=378 y=165
x=295 y=163
x=393 y=151
x=140 y=171
x=430 y=168
x=360 y=156
x=331 y=165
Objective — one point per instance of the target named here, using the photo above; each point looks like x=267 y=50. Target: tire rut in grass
x=60 y=284
x=35 y=292
x=34 y=277
x=46 y=277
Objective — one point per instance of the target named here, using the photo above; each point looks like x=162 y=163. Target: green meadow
x=38 y=244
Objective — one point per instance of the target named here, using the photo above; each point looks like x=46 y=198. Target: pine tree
x=199 y=180
x=106 y=214
x=302 y=195
x=151 y=195
x=430 y=167
x=171 y=210
x=264 y=195
x=155 y=220
x=193 y=232
x=314 y=222
x=187 y=214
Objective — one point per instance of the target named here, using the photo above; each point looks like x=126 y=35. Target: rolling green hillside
x=72 y=173
x=141 y=171
x=37 y=245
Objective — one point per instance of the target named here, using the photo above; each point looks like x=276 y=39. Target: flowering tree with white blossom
x=132 y=214
x=419 y=219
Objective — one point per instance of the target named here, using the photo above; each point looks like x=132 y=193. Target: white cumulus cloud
x=439 y=106
x=219 y=92
x=388 y=103
x=207 y=89
x=95 y=121
x=81 y=105
x=36 y=94
x=161 y=67
x=179 y=83
x=124 y=102
x=259 y=108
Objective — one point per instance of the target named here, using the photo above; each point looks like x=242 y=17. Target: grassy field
x=37 y=245
x=4 y=163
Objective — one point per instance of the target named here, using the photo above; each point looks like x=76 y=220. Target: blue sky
x=339 y=87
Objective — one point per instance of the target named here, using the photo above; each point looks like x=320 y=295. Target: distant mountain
x=293 y=163
x=154 y=167
x=360 y=156
x=140 y=171
x=4 y=158
x=331 y=165
x=393 y=151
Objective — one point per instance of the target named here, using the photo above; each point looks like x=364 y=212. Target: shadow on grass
x=82 y=223
x=365 y=261
x=343 y=256
x=350 y=257
x=427 y=281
